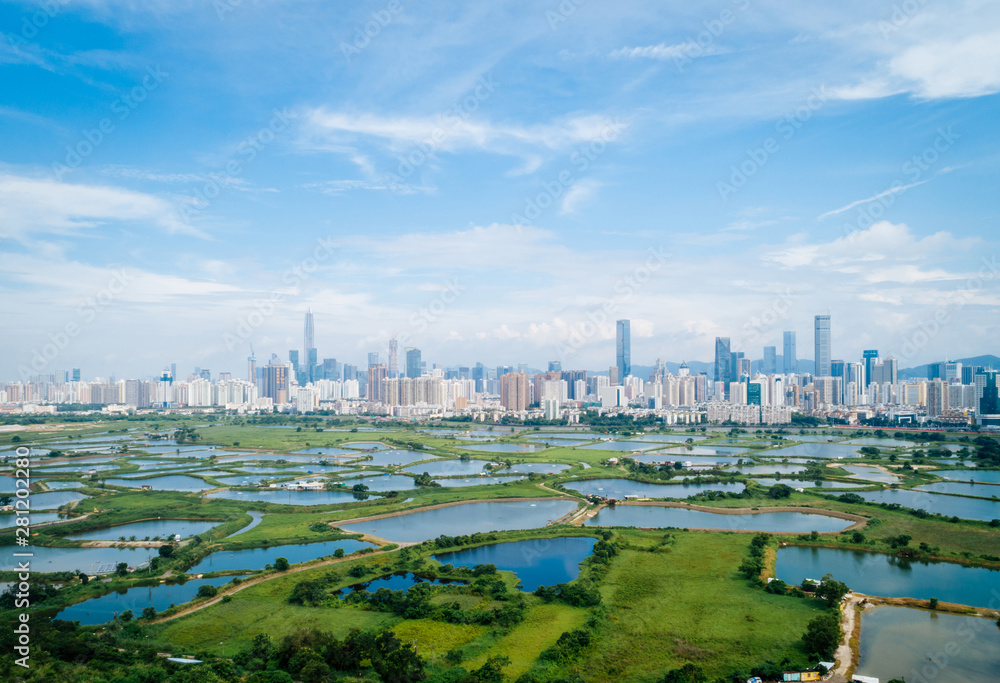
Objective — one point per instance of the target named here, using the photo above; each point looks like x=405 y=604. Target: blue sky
x=493 y=183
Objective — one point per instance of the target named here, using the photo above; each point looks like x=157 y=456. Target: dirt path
x=844 y=655
x=268 y=577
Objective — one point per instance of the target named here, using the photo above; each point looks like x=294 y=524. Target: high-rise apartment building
x=821 y=340
x=514 y=391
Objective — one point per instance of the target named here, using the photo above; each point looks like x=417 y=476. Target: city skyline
x=163 y=201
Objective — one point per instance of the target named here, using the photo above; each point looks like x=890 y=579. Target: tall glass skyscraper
x=789 y=359
x=770 y=366
x=624 y=349
x=870 y=358
x=309 y=354
x=723 y=360
x=822 y=342
x=413 y=363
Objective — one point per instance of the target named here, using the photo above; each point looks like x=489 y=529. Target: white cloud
x=427 y=135
x=31 y=206
x=886 y=244
x=685 y=50
x=577 y=195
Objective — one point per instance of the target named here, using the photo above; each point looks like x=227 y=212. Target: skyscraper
x=870 y=357
x=770 y=366
x=413 y=363
x=624 y=349
x=822 y=342
x=723 y=360
x=373 y=359
x=309 y=347
x=789 y=361
x=393 y=358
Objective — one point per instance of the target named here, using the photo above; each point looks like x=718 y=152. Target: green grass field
x=689 y=604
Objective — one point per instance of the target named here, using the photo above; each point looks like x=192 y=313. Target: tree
x=492 y=670
x=125 y=616
x=207 y=591
x=822 y=635
x=149 y=612
x=166 y=550
x=830 y=590
x=689 y=673
x=281 y=564
x=779 y=491
x=121 y=569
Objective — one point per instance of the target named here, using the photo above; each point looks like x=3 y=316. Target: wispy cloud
x=891 y=191
x=665 y=52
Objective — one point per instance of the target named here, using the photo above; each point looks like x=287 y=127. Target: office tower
x=624 y=349
x=734 y=365
x=987 y=396
x=514 y=391
x=393 y=358
x=350 y=372
x=837 y=368
x=770 y=365
x=173 y=372
x=205 y=374
x=479 y=377
x=293 y=358
x=789 y=361
x=742 y=367
x=968 y=373
x=413 y=363
x=76 y=373
x=555 y=366
x=377 y=375
x=223 y=377
x=870 y=357
x=951 y=371
x=723 y=360
x=373 y=359
x=251 y=367
x=753 y=393
x=613 y=378
x=329 y=369
x=309 y=348
x=821 y=337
